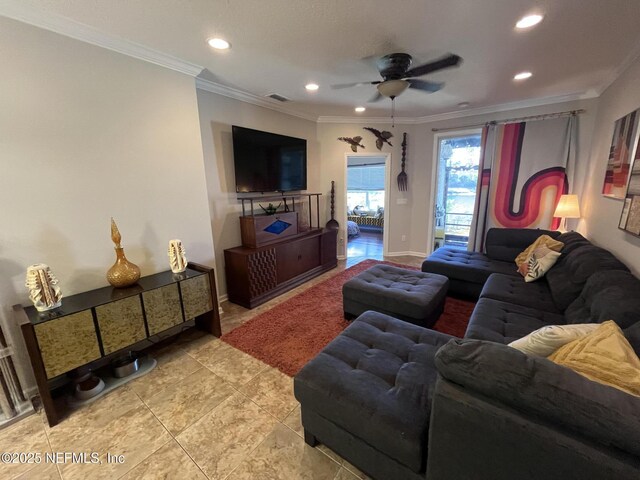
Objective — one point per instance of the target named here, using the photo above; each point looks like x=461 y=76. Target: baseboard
x=223 y=298
x=342 y=257
x=402 y=254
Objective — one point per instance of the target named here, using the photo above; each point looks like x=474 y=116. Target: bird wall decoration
x=353 y=141
x=381 y=137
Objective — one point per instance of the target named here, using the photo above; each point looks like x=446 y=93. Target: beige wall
x=217 y=115
x=334 y=152
x=413 y=218
x=86 y=134
x=602 y=215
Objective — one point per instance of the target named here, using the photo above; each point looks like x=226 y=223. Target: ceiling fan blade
x=447 y=61
x=376 y=98
x=340 y=86
x=424 y=85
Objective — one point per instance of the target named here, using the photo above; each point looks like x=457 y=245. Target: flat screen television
x=266 y=162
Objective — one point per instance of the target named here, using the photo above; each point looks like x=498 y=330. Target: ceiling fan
x=397 y=75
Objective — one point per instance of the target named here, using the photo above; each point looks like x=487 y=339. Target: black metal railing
x=456 y=229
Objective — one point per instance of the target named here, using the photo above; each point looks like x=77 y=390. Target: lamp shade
x=392 y=88
x=568 y=207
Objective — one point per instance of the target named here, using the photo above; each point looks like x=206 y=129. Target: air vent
x=277 y=97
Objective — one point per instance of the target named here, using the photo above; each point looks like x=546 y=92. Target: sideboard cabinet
x=89 y=329
x=255 y=275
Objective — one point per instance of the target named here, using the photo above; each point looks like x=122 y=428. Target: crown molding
x=536 y=102
x=633 y=55
x=79 y=31
x=230 y=92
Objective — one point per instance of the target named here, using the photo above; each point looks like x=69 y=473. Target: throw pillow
x=546 y=340
x=603 y=356
x=539 y=263
x=552 y=244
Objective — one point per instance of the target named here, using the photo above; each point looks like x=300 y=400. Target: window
x=458 y=167
x=365 y=187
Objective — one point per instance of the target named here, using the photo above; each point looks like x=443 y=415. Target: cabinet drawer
x=196 y=296
x=162 y=308
x=67 y=342
x=121 y=324
x=296 y=258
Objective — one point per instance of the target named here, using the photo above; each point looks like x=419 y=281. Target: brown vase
x=123 y=273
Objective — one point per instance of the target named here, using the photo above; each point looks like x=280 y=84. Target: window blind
x=365 y=177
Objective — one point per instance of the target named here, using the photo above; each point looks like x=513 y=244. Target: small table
x=410 y=295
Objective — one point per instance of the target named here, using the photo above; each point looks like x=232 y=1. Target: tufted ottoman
x=409 y=295
x=367 y=395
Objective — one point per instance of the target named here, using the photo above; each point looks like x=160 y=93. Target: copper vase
x=123 y=273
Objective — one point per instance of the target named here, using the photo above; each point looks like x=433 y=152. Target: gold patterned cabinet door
x=121 y=323
x=162 y=307
x=67 y=342
x=196 y=296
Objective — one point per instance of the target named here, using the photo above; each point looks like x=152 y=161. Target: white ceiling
x=280 y=45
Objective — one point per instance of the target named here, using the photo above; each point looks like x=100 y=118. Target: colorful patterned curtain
x=526 y=167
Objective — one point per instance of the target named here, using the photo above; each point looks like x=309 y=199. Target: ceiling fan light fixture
x=311 y=87
x=529 y=21
x=359 y=109
x=218 y=43
x=392 y=88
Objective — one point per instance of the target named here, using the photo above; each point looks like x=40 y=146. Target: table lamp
x=568 y=207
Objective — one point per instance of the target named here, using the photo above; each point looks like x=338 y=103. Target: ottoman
x=367 y=395
x=412 y=296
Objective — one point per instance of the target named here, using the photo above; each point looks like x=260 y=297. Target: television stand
x=256 y=275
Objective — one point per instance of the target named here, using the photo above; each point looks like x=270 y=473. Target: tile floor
x=207 y=411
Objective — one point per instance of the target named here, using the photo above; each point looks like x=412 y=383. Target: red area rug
x=293 y=332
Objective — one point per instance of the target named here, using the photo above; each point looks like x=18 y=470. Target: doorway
x=367 y=187
x=456 y=181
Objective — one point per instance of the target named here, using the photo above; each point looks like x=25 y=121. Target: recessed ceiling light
x=522 y=75
x=464 y=104
x=360 y=109
x=219 y=43
x=312 y=87
x=529 y=21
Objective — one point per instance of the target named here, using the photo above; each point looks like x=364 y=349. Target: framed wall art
x=630 y=217
x=620 y=154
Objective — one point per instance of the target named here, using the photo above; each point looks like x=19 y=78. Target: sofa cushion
x=510 y=289
x=610 y=295
x=376 y=381
x=505 y=244
x=460 y=264
x=504 y=322
x=568 y=276
x=571 y=241
x=545 y=390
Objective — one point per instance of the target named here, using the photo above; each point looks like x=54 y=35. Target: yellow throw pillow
x=603 y=356
x=542 y=240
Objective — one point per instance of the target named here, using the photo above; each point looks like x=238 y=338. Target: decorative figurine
x=123 y=273
x=177 y=256
x=354 y=142
x=270 y=210
x=333 y=223
x=43 y=287
x=381 y=137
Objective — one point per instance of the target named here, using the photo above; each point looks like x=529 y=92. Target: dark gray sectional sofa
x=403 y=402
